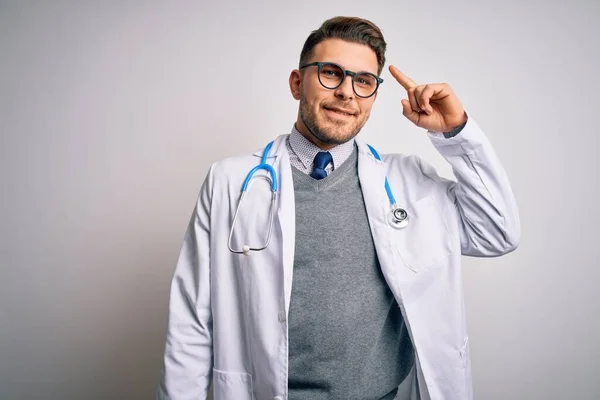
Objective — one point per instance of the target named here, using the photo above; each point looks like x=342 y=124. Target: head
x=328 y=117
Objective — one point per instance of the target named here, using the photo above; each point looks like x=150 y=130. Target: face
x=328 y=117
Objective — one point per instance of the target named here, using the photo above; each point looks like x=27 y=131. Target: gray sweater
x=347 y=338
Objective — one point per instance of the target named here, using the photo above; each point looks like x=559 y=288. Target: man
x=337 y=299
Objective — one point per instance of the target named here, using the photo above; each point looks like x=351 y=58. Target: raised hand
x=433 y=106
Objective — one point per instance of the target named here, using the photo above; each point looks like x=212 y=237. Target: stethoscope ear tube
x=246 y=249
x=272 y=179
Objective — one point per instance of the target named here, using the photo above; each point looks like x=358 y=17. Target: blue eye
x=331 y=72
x=365 y=80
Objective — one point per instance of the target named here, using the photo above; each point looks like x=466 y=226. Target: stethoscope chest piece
x=398 y=218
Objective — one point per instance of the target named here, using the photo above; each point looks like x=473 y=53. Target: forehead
x=352 y=56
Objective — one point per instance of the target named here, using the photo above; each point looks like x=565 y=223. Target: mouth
x=340 y=111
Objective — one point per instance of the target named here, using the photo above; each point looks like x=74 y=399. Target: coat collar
x=279 y=146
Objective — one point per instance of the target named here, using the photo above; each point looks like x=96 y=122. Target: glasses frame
x=345 y=73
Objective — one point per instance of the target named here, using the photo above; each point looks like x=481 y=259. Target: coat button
x=281 y=318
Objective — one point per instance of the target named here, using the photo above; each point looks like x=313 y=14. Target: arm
x=488 y=221
x=187 y=368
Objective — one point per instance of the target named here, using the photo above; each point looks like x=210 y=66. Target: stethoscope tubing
x=398 y=217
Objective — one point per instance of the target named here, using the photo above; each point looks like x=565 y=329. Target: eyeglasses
x=331 y=76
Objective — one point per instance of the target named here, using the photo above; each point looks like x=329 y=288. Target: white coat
x=228 y=312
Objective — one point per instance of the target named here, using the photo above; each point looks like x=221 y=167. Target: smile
x=339 y=112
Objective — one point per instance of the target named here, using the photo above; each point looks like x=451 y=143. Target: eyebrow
x=353 y=70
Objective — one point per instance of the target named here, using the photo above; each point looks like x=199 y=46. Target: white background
x=111 y=113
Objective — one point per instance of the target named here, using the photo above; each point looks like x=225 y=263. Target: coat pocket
x=232 y=385
x=426 y=240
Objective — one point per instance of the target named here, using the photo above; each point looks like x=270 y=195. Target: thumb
x=408 y=112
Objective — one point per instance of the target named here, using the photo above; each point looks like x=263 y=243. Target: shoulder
x=412 y=164
x=415 y=174
x=230 y=170
x=234 y=163
x=237 y=167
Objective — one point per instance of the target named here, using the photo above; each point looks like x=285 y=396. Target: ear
x=295 y=82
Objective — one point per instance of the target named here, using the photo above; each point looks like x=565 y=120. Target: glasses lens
x=330 y=76
x=365 y=84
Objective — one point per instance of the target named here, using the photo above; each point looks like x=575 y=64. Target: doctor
x=322 y=293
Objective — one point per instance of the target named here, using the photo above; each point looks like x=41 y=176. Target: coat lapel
x=371 y=174
x=286 y=213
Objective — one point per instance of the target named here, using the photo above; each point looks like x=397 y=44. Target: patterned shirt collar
x=306 y=150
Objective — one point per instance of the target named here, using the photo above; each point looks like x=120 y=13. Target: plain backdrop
x=112 y=111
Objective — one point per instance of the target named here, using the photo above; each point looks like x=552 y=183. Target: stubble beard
x=334 y=135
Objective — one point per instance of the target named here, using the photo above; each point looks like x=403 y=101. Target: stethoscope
x=397 y=217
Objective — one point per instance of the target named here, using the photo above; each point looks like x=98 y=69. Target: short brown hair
x=352 y=29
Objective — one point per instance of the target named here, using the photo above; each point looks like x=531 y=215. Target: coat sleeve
x=188 y=357
x=488 y=219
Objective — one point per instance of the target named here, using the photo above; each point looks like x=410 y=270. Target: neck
x=303 y=129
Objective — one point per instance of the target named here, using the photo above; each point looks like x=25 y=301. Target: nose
x=345 y=91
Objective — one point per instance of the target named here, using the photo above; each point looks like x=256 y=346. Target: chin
x=335 y=134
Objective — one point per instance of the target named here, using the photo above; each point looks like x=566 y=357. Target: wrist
x=456 y=130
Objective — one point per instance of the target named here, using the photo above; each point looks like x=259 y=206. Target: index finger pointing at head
x=402 y=79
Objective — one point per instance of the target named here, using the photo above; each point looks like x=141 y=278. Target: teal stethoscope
x=397 y=217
